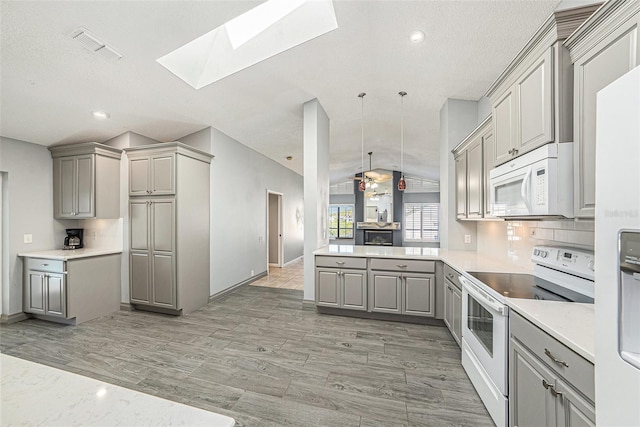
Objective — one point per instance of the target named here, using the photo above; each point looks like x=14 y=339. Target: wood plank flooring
x=257 y=356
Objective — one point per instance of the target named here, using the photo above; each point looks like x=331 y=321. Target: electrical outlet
x=467 y=238
x=28 y=238
x=94 y=235
x=251 y=273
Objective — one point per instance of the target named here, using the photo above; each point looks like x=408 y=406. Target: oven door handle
x=476 y=293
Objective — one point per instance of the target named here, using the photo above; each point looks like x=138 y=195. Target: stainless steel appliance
x=74 y=239
x=560 y=274
x=536 y=184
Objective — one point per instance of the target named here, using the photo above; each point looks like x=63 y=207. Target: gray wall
x=240 y=178
x=457 y=119
x=28 y=183
x=343 y=199
x=316 y=188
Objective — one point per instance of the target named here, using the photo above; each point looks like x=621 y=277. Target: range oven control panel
x=573 y=261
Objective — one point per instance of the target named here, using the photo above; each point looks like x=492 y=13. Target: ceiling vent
x=93 y=44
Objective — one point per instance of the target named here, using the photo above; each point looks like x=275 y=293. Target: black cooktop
x=527 y=286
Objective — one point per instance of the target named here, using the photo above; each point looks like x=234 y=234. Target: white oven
x=536 y=184
x=485 y=347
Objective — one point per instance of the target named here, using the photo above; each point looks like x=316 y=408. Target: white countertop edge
x=65 y=255
x=462 y=261
x=551 y=316
x=35 y=394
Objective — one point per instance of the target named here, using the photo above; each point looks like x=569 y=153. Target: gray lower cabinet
x=152 y=252
x=46 y=293
x=341 y=288
x=402 y=293
x=549 y=384
x=453 y=303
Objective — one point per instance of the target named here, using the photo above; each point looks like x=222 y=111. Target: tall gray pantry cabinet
x=168 y=227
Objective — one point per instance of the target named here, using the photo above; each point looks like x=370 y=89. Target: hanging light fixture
x=402 y=185
x=362 y=185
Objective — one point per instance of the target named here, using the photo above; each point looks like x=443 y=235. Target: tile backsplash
x=516 y=239
x=102 y=233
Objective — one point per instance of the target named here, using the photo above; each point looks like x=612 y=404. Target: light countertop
x=34 y=394
x=66 y=255
x=573 y=324
x=459 y=260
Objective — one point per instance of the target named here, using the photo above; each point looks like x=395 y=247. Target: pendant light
x=362 y=185
x=402 y=185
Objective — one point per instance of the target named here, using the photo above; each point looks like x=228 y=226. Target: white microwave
x=538 y=184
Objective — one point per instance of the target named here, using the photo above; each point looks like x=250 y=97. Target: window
x=421 y=222
x=341 y=221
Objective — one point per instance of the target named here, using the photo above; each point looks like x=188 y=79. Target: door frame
x=280 y=262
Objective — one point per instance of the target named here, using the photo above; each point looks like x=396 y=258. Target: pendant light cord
x=402 y=95
x=361 y=96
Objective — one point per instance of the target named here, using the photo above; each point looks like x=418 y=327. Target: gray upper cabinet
x=169 y=227
x=504 y=119
x=475 y=179
x=152 y=175
x=86 y=181
x=530 y=99
x=473 y=161
x=603 y=49
x=461 y=185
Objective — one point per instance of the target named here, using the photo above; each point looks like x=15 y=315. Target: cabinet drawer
x=48 y=265
x=568 y=364
x=402 y=265
x=452 y=275
x=341 y=262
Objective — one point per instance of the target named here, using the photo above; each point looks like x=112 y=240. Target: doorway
x=275 y=244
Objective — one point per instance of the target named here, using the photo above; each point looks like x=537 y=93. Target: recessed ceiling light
x=100 y=115
x=416 y=36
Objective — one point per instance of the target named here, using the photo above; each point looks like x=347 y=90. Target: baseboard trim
x=223 y=292
x=161 y=310
x=381 y=316
x=13 y=318
x=125 y=306
x=308 y=304
x=292 y=261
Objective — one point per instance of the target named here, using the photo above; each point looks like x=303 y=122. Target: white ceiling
x=50 y=84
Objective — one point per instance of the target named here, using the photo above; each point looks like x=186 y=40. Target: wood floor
x=257 y=356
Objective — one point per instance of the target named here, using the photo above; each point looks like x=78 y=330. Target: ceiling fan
x=373 y=178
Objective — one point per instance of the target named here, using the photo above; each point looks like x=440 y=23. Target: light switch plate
x=28 y=238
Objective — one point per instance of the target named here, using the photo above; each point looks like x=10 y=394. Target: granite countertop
x=573 y=324
x=34 y=394
x=459 y=260
x=65 y=255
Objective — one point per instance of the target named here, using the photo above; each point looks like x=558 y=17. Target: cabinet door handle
x=554 y=392
x=401 y=265
x=545 y=384
x=45 y=265
x=551 y=356
x=340 y=262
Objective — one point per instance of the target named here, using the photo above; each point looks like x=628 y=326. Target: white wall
x=240 y=178
x=457 y=119
x=316 y=188
x=28 y=183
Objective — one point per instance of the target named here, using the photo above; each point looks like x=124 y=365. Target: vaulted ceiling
x=50 y=84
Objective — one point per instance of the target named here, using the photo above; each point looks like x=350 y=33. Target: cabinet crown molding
x=558 y=26
x=84 y=148
x=600 y=25
x=169 y=147
x=481 y=128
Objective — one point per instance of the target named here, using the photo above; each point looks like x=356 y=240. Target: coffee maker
x=73 y=239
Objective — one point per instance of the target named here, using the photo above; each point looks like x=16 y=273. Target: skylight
x=264 y=31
